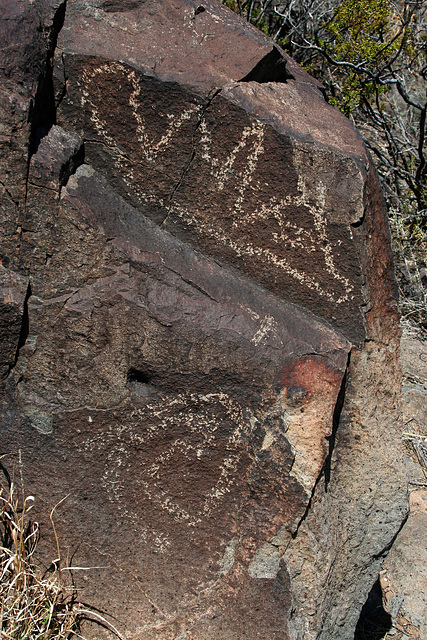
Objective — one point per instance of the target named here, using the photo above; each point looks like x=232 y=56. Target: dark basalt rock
x=14 y=292
x=206 y=360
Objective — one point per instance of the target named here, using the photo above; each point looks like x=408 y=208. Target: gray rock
x=404 y=576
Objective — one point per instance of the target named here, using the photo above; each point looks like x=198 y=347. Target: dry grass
x=409 y=241
x=34 y=604
x=416 y=448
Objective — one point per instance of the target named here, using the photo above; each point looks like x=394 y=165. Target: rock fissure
x=335 y=426
x=373 y=618
x=271 y=68
x=25 y=328
x=42 y=111
x=179 y=183
x=306 y=511
x=325 y=472
x=205 y=107
x=383 y=553
x=194 y=284
x=71 y=165
x=15 y=201
x=38 y=186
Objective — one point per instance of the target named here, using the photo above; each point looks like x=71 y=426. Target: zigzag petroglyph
x=286 y=235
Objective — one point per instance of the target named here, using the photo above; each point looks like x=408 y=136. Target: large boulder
x=206 y=356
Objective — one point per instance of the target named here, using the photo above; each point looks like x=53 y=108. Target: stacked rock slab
x=200 y=292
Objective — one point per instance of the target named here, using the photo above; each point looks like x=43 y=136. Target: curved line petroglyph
x=251 y=146
x=121 y=442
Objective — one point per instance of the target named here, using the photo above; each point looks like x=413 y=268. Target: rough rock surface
x=414 y=388
x=404 y=577
x=206 y=338
x=404 y=574
x=13 y=298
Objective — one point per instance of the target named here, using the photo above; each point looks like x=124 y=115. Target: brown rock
x=215 y=161
x=28 y=32
x=414 y=361
x=201 y=270
x=404 y=577
x=414 y=408
x=58 y=155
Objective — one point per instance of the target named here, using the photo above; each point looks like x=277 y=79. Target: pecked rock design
x=203 y=342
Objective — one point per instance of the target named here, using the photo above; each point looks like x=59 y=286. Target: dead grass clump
x=33 y=605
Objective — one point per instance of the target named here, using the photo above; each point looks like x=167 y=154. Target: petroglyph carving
x=251 y=137
x=172 y=442
x=290 y=234
x=150 y=149
x=197 y=292
x=235 y=175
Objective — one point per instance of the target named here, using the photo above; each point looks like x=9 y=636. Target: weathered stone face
x=226 y=182
x=203 y=242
